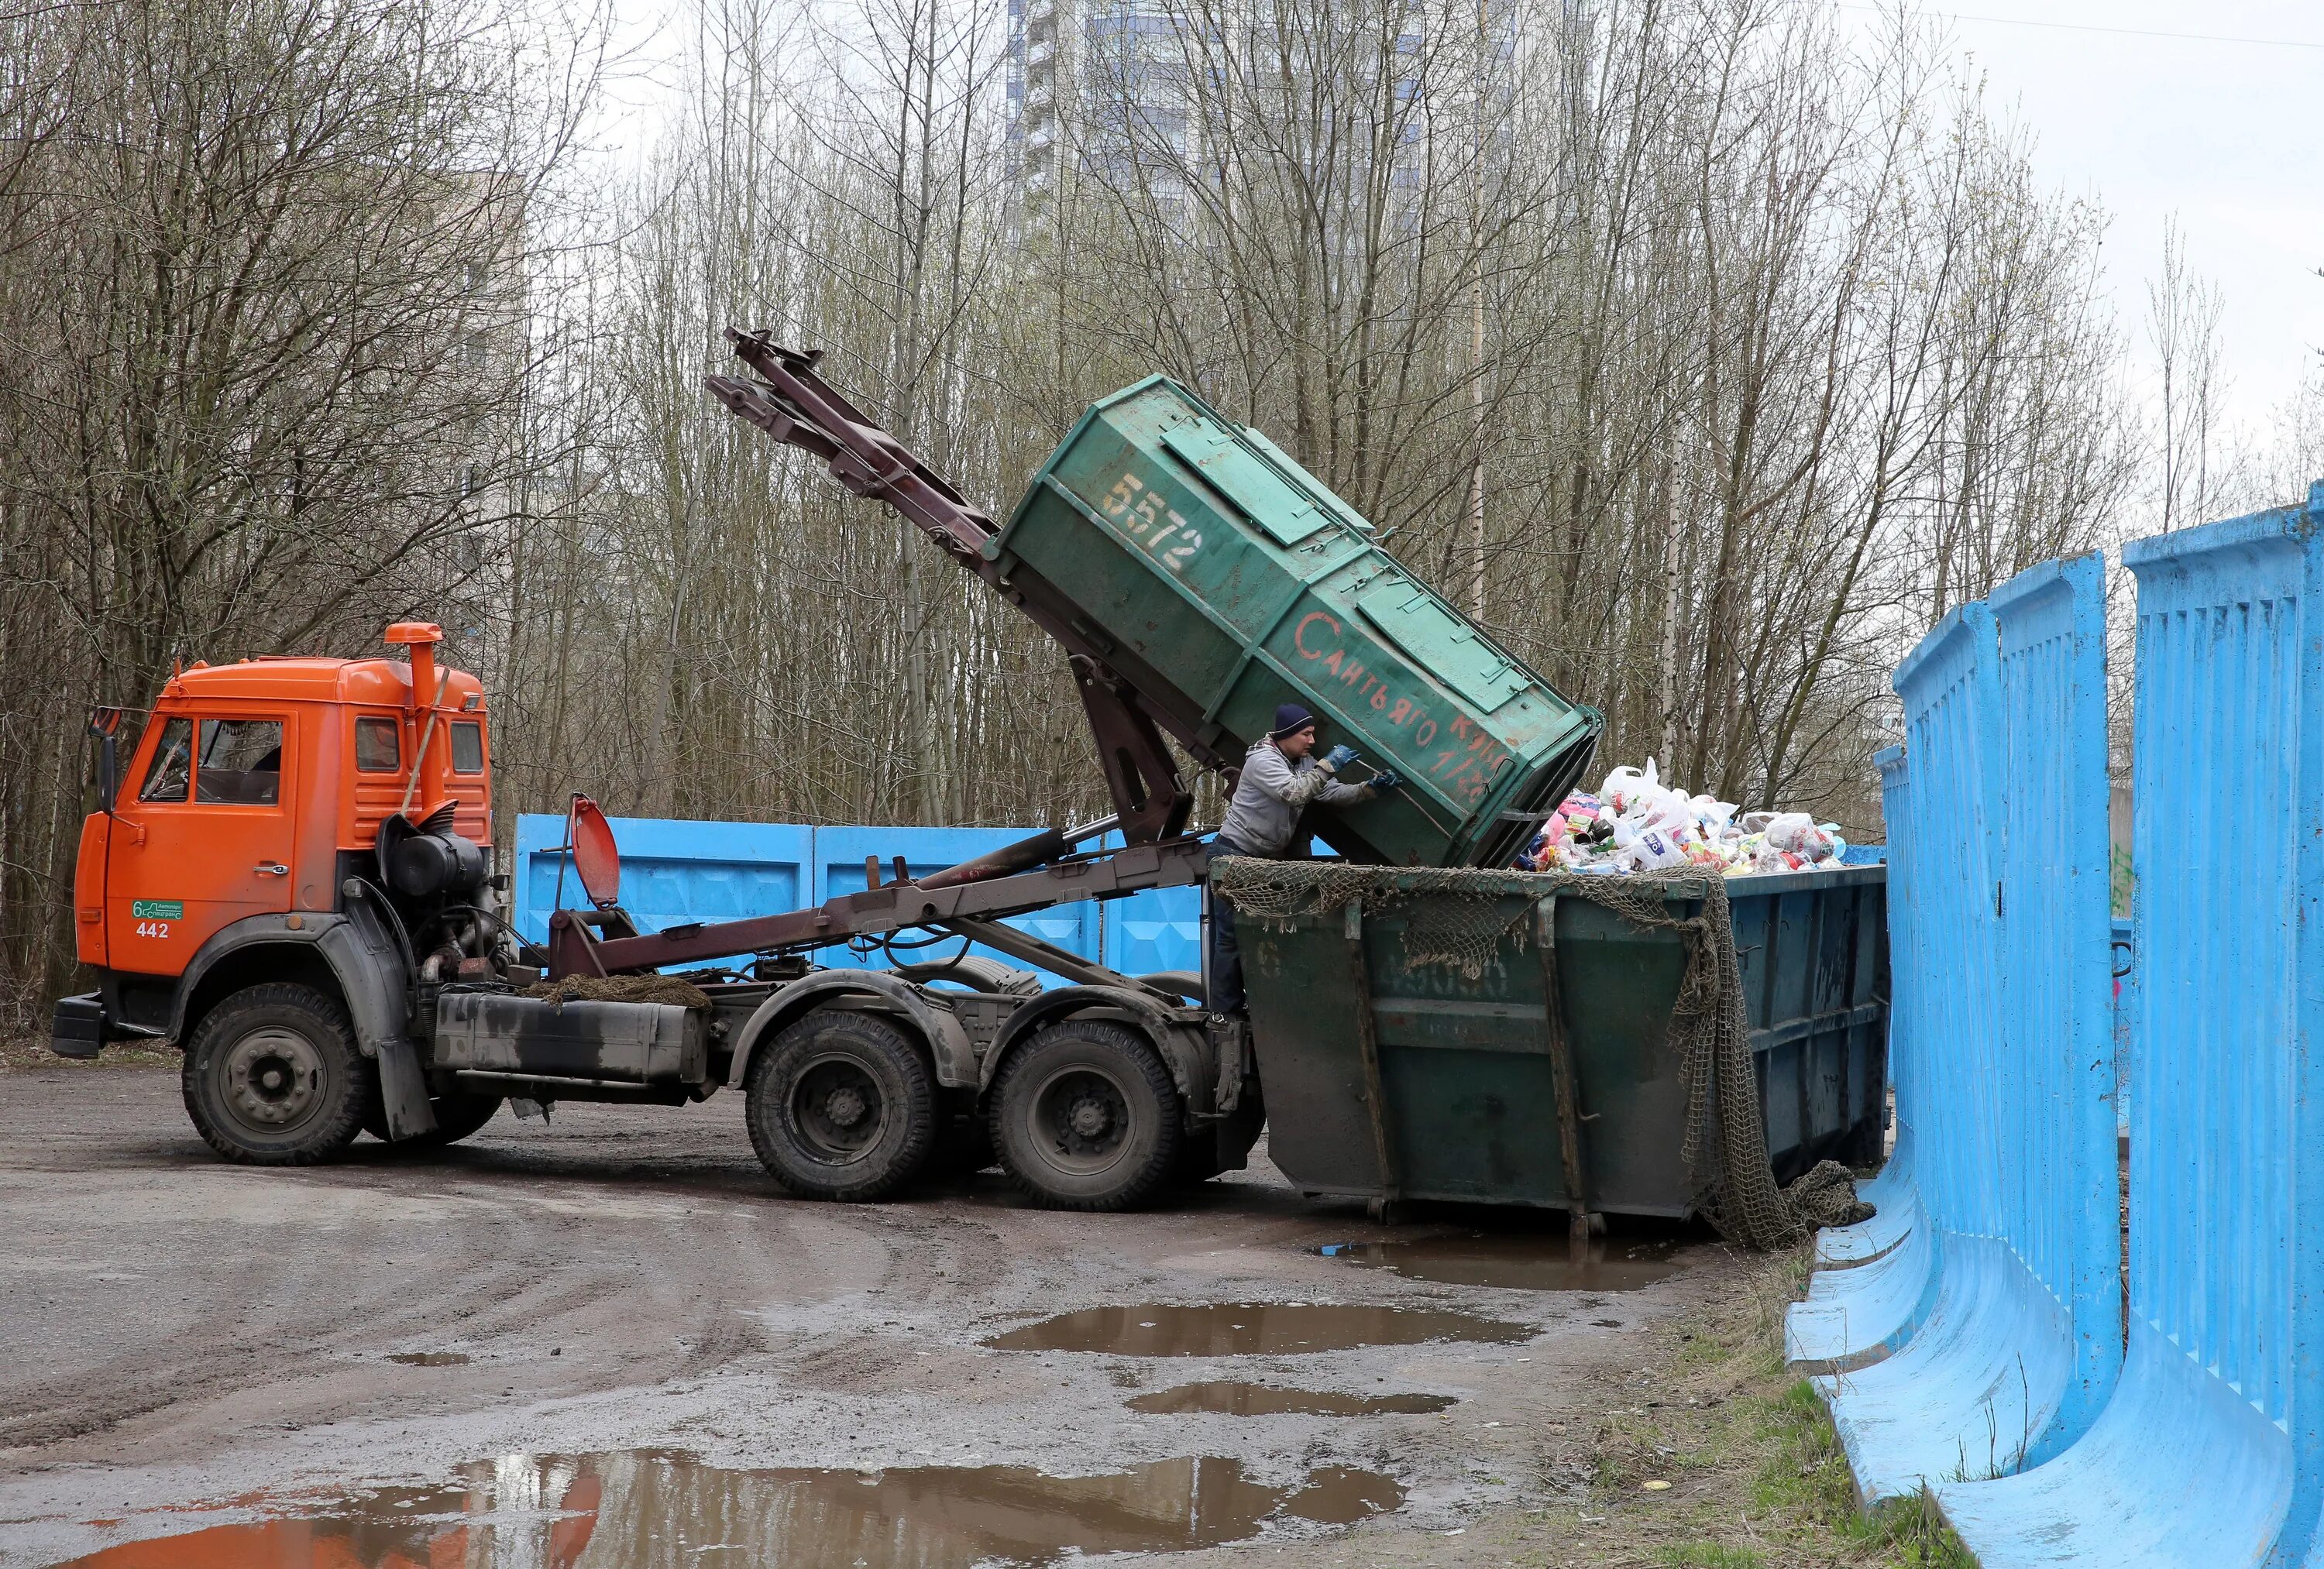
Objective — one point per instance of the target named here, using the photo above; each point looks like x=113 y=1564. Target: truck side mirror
x=104 y=724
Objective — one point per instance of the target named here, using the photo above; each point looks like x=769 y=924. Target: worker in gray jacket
x=1280 y=779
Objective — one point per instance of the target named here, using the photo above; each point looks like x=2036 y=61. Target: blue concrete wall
x=2049 y=1431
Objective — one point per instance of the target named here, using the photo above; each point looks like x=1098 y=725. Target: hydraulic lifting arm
x=791 y=402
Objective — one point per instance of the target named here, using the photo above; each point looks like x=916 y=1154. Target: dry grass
x=1756 y=1476
x=19 y=1053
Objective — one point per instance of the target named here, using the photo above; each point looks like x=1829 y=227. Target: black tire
x=457 y=1114
x=272 y=1077
x=1086 y=1117
x=842 y=1106
x=1198 y=1161
x=963 y=1144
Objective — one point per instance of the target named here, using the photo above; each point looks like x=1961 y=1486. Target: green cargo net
x=1462 y=919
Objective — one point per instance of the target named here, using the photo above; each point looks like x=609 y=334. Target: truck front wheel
x=272 y=1077
x=1085 y=1116
x=842 y=1106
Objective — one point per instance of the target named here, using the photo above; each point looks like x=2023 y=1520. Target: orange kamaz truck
x=295 y=844
x=291 y=876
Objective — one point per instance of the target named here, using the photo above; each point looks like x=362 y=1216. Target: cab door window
x=170 y=774
x=240 y=763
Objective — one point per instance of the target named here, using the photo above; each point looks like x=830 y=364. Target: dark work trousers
x=1226 y=955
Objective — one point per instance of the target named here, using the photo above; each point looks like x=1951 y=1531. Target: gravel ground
x=192 y=1343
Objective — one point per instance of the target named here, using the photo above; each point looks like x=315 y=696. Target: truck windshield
x=173 y=767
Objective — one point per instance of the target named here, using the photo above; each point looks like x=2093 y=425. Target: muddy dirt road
x=610 y=1341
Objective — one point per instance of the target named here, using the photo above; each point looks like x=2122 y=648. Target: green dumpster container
x=1390 y=1073
x=1222 y=579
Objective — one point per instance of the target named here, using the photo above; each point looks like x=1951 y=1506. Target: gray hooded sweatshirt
x=1267 y=800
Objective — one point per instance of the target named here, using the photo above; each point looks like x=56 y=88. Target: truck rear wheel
x=842 y=1106
x=272 y=1077
x=1085 y=1116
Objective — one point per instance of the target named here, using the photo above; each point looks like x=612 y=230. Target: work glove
x=1337 y=758
x=1385 y=780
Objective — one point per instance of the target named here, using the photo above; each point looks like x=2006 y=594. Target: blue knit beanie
x=1290 y=718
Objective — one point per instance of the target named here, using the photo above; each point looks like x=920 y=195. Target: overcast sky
x=2226 y=134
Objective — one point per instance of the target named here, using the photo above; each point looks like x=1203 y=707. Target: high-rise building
x=1119 y=67
x=1119 y=80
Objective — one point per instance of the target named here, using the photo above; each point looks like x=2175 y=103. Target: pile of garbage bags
x=1636 y=823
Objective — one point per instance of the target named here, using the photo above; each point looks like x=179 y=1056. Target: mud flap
x=403 y=1091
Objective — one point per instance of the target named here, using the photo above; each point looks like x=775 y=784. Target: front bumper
x=77 y=1028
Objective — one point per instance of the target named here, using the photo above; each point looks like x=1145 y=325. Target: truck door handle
x=271 y=869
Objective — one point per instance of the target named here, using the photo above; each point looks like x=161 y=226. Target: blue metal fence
x=2209 y=1452
x=676 y=870
x=2057 y=1173
x=2003 y=842
x=1923 y=1412
x=839 y=854
x=1157 y=930
x=671 y=872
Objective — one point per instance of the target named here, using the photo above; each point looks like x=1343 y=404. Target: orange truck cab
x=293 y=842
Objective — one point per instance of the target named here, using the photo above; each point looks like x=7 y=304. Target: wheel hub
x=1081 y=1116
x=272 y=1077
x=837 y=1108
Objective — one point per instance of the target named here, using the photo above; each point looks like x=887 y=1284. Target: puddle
x=1532 y=1263
x=1250 y=1328
x=542 y=1511
x=430 y=1358
x=1229 y=1398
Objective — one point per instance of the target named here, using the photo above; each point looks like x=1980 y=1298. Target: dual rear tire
x=845 y=1106
x=842 y=1106
x=1086 y=1117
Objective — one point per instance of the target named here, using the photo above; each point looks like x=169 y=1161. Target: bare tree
x=267 y=357
x=2182 y=328
x=1707 y=357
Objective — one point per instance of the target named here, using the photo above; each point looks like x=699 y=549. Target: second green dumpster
x=1529 y=1039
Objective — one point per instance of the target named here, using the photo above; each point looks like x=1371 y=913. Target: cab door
x=202 y=837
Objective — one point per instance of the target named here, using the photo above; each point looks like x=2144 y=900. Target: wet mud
x=626 y=1282
x=1528 y=1263
x=430 y=1358
x=661 y=1511
x=1233 y=1398
x=1252 y=1329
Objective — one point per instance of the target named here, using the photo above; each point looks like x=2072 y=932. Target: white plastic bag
x=1797 y=832
x=1625 y=785
x=1650 y=848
